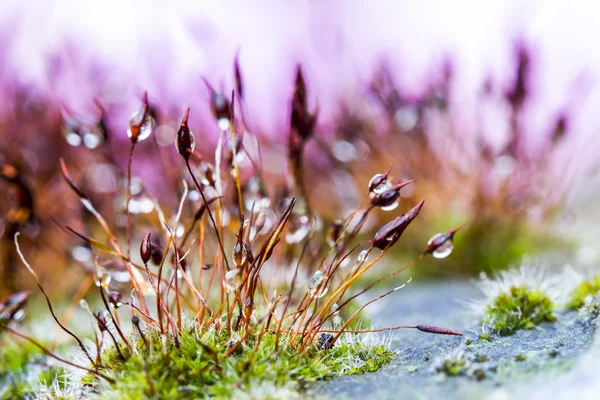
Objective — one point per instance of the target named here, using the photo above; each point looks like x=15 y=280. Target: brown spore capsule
x=146 y=248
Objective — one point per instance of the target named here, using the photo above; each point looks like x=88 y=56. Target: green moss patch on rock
x=24 y=370
x=520 y=307
x=584 y=290
x=199 y=368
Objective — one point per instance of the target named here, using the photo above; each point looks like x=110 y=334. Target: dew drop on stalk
x=316 y=285
x=191 y=146
x=391 y=207
x=140 y=125
x=379 y=184
x=233 y=279
x=102 y=278
x=362 y=256
x=445 y=248
x=334 y=309
x=240 y=254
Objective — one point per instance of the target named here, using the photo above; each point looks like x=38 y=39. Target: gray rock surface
x=503 y=368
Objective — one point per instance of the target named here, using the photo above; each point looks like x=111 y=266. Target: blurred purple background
x=73 y=52
x=442 y=90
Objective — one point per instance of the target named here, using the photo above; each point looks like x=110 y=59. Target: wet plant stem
x=112 y=317
x=210 y=215
x=127 y=213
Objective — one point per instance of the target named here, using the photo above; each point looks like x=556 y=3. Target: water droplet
x=141 y=205
x=298 y=230
x=223 y=123
x=343 y=150
x=444 y=249
x=81 y=254
x=379 y=188
x=406 y=118
x=362 y=256
x=102 y=278
x=194 y=195
x=345 y=262
x=140 y=125
x=136 y=186
x=189 y=143
x=18 y=315
x=316 y=285
x=240 y=254
x=180 y=230
x=391 y=207
x=233 y=279
x=92 y=140
x=73 y=139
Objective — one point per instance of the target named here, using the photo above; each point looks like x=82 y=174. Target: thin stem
x=37 y=279
x=212 y=219
x=128 y=223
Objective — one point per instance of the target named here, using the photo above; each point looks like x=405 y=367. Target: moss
x=584 y=290
x=481 y=358
x=479 y=374
x=519 y=308
x=198 y=368
x=455 y=365
x=485 y=337
x=23 y=370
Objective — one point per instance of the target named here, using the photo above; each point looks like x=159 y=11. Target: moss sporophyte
x=233 y=289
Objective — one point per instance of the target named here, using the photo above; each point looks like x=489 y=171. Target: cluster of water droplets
x=77 y=134
x=316 y=285
x=254 y=199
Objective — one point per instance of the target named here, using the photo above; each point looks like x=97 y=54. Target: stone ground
x=553 y=361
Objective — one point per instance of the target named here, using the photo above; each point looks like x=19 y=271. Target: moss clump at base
x=521 y=307
x=24 y=370
x=199 y=368
x=584 y=290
